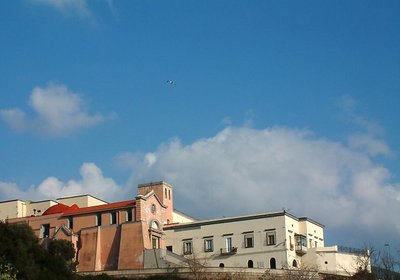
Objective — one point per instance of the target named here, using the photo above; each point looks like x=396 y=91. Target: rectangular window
x=271 y=238
x=129 y=215
x=249 y=241
x=229 y=246
x=98 y=219
x=113 y=218
x=187 y=247
x=70 y=222
x=155 y=241
x=45 y=231
x=208 y=245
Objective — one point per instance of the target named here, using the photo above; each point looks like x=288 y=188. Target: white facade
x=269 y=241
x=18 y=208
x=81 y=200
x=22 y=208
x=260 y=241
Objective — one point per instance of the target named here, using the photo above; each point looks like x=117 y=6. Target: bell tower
x=164 y=192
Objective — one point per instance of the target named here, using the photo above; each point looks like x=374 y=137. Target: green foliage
x=25 y=258
x=6 y=271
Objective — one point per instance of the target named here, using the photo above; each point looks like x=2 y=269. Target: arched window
x=272 y=263
x=250 y=264
x=154 y=225
x=221 y=265
x=294 y=263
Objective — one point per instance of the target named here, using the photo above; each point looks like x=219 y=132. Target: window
x=271 y=238
x=155 y=241
x=187 y=247
x=221 y=265
x=272 y=263
x=291 y=243
x=208 y=245
x=169 y=194
x=153 y=209
x=166 y=193
x=316 y=244
x=98 y=219
x=229 y=246
x=45 y=231
x=70 y=222
x=113 y=218
x=154 y=225
x=250 y=264
x=129 y=215
x=249 y=240
x=294 y=264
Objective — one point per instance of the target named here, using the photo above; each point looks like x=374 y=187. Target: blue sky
x=276 y=104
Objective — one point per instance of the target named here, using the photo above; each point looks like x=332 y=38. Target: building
x=146 y=232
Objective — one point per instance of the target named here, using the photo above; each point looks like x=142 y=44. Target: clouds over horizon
x=57 y=112
x=92 y=182
x=246 y=170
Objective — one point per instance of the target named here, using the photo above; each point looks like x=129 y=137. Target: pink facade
x=110 y=236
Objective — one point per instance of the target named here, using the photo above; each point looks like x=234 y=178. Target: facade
x=271 y=240
x=146 y=232
x=18 y=208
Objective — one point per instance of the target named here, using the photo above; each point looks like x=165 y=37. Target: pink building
x=111 y=236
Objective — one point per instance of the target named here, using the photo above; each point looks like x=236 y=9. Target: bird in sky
x=171 y=82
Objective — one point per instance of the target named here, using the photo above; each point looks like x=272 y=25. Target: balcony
x=301 y=249
x=228 y=251
x=301 y=244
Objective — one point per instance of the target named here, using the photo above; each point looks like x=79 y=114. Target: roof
x=100 y=208
x=55 y=209
x=154 y=184
x=233 y=219
x=81 y=195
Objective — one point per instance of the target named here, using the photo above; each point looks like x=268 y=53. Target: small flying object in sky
x=171 y=82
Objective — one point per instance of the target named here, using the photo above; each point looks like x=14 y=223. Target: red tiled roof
x=101 y=208
x=56 y=209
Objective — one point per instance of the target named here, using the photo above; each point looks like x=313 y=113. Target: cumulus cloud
x=246 y=170
x=92 y=182
x=58 y=111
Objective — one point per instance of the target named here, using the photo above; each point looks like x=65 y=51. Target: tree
x=22 y=256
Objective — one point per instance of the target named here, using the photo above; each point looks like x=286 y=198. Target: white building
x=270 y=241
x=18 y=208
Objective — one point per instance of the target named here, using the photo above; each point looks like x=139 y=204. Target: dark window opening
x=129 y=215
x=113 y=218
x=169 y=248
x=272 y=263
x=294 y=263
x=250 y=264
x=221 y=265
x=98 y=219
x=249 y=241
x=45 y=231
x=70 y=222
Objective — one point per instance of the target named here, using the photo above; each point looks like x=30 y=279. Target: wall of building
x=236 y=229
x=12 y=209
x=81 y=201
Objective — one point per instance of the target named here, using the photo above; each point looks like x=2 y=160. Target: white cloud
x=92 y=182
x=245 y=170
x=369 y=144
x=78 y=7
x=58 y=112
